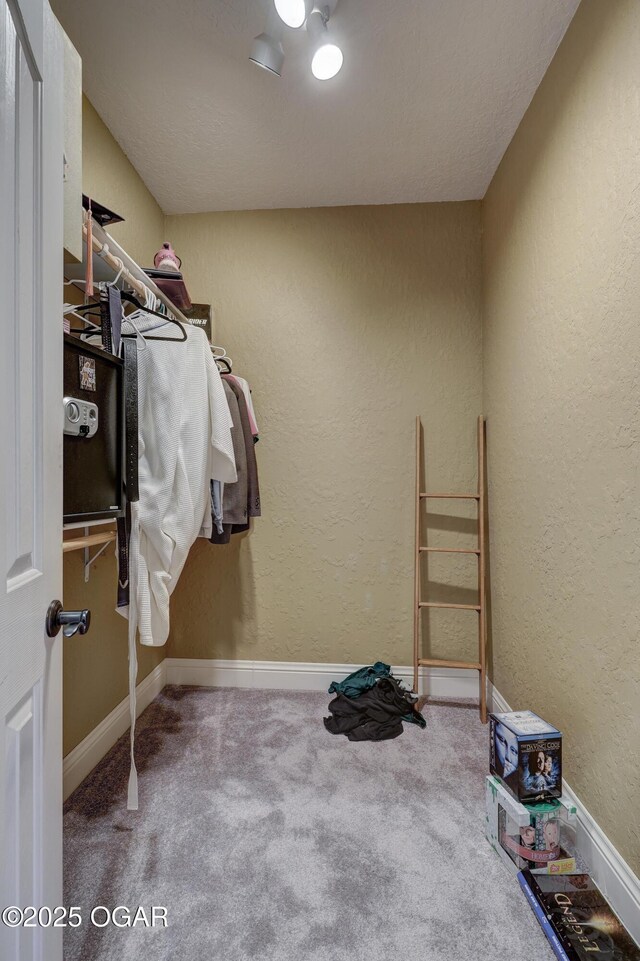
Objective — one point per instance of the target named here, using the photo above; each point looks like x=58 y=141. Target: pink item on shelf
x=167 y=258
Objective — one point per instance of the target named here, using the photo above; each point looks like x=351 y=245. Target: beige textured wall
x=561 y=348
x=347 y=322
x=109 y=177
x=96 y=665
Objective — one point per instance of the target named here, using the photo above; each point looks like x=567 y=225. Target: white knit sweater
x=184 y=441
x=184 y=437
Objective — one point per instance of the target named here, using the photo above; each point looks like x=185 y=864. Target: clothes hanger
x=131 y=299
x=150 y=298
x=114 y=282
x=226 y=361
x=82 y=308
x=222 y=356
x=90 y=327
x=74 y=311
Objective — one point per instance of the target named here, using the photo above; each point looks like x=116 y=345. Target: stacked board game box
x=532 y=827
x=526 y=754
x=529 y=824
x=538 y=836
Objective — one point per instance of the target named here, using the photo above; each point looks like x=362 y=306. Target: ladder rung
x=463 y=665
x=457 y=607
x=448 y=550
x=464 y=497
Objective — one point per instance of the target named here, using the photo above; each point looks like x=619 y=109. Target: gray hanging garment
x=234 y=496
x=253 y=505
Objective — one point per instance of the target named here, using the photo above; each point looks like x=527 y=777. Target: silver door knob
x=71 y=622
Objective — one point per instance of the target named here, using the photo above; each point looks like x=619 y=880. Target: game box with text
x=526 y=754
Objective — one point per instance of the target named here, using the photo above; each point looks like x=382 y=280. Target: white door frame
x=31 y=241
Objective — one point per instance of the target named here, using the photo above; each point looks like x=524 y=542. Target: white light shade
x=293 y=12
x=267 y=52
x=327 y=61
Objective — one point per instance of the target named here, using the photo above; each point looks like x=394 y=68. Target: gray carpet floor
x=267 y=838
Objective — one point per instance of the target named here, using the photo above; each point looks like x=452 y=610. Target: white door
x=31 y=173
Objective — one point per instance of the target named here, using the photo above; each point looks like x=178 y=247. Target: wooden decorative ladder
x=480 y=608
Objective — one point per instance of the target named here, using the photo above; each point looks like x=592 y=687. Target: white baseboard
x=302 y=676
x=82 y=759
x=268 y=675
x=609 y=869
x=495 y=700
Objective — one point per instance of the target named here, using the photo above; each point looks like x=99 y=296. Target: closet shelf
x=110 y=261
x=90 y=540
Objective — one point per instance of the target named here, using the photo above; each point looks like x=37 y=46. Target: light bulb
x=267 y=52
x=327 y=61
x=327 y=57
x=293 y=12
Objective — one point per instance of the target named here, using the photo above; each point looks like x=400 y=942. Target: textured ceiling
x=429 y=97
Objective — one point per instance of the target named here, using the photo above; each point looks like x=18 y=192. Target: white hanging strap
x=134 y=547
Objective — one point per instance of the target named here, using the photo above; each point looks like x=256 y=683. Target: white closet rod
x=112 y=253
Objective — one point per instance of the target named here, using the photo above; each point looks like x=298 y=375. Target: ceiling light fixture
x=294 y=12
x=266 y=50
x=327 y=57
